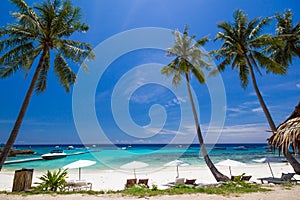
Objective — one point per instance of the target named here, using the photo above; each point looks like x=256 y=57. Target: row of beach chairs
x=77 y=185
x=134 y=181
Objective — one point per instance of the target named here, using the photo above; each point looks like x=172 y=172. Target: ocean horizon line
x=132 y=144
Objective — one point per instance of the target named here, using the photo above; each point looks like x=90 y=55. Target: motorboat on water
x=70 y=147
x=54 y=154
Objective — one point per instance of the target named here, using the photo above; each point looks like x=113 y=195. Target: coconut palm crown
x=190 y=60
x=242 y=49
x=39 y=33
x=290 y=35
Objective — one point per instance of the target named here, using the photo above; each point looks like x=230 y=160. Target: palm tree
x=291 y=39
x=189 y=59
x=37 y=33
x=242 y=49
x=242 y=42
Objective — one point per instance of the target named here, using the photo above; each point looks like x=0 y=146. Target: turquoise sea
x=156 y=155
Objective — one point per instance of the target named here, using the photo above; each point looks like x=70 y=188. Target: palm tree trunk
x=294 y=163
x=218 y=175
x=14 y=133
x=260 y=98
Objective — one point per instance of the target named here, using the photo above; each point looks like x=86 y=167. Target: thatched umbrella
x=288 y=133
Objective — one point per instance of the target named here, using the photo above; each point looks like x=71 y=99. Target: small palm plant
x=52 y=181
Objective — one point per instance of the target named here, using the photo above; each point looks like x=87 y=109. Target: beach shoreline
x=106 y=180
x=276 y=192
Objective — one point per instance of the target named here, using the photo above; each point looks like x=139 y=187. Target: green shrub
x=52 y=181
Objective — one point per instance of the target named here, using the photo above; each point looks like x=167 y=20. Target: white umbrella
x=134 y=165
x=79 y=164
x=230 y=163
x=176 y=163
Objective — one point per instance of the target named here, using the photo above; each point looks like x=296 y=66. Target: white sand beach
x=115 y=179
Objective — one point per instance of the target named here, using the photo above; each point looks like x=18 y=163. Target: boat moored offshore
x=54 y=154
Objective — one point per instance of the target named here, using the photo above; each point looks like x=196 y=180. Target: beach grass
x=229 y=188
x=225 y=189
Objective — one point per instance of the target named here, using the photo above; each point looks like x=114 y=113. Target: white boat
x=240 y=148
x=270 y=159
x=70 y=147
x=54 y=154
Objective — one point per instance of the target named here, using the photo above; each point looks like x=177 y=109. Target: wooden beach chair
x=143 y=182
x=284 y=179
x=246 y=178
x=240 y=178
x=190 y=182
x=130 y=183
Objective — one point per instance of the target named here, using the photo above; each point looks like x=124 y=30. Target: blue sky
x=49 y=118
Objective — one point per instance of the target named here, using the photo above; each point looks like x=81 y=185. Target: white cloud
x=237 y=110
x=298 y=85
x=259 y=109
x=175 y=101
x=249 y=103
x=244 y=133
x=164 y=131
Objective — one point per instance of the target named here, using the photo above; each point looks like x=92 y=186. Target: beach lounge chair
x=240 y=178
x=69 y=185
x=179 y=181
x=143 y=182
x=246 y=178
x=284 y=179
x=82 y=185
x=191 y=182
x=130 y=183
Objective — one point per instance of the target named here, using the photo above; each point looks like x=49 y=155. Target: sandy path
x=279 y=192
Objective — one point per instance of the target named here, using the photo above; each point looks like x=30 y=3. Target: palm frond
x=15 y=53
x=198 y=73
x=271 y=65
x=75 y=51
x=176 y=80
x=244 y=75
x=27 y=10
x=259 y=27
x=65 y=74
x=41 y=83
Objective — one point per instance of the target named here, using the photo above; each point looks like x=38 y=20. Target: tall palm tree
x=242 y=49
x=290 y=35
x=189 y=59
x=37 y=33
